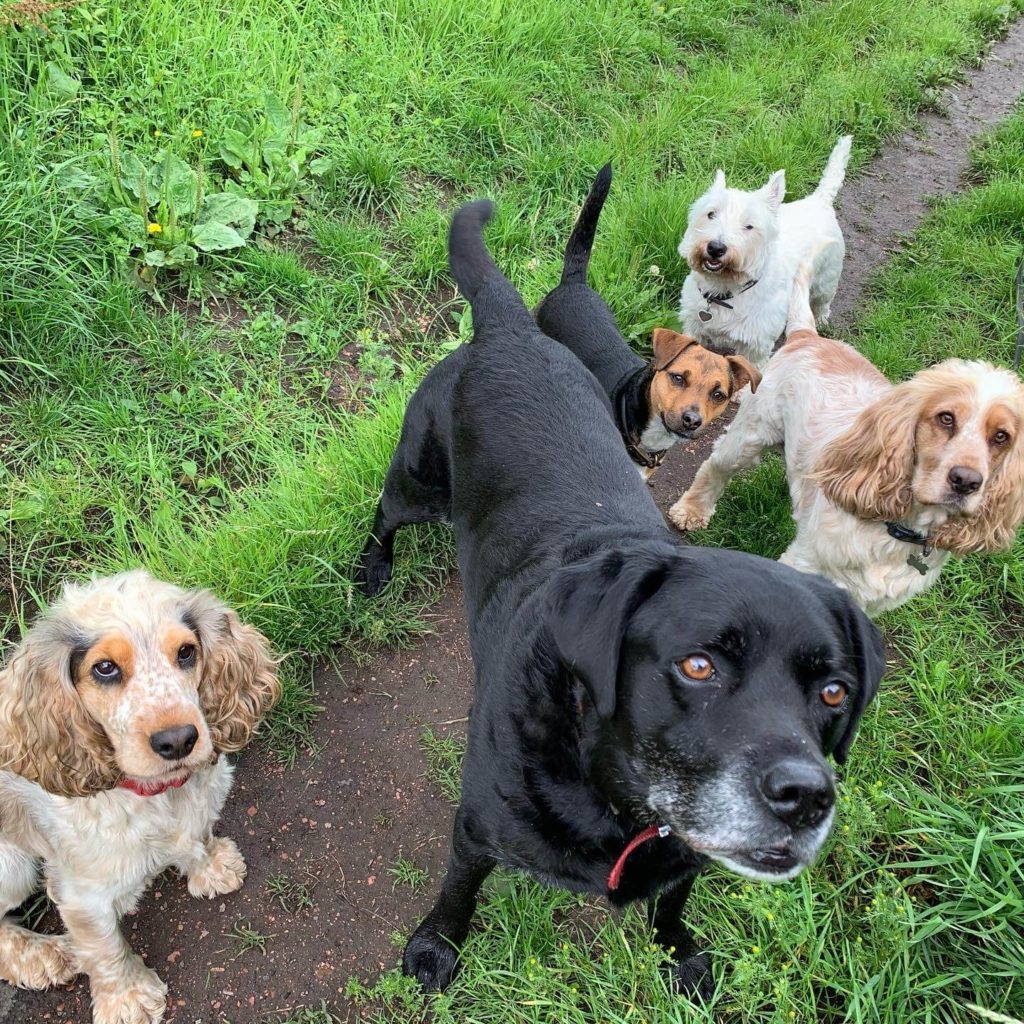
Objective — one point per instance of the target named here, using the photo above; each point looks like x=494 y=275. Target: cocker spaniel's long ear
x=589 y=609
x=239 y=684
x=868 y=470
x=46 y=734
x=995 y=524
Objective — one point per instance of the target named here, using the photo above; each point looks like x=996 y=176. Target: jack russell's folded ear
x=668 y=346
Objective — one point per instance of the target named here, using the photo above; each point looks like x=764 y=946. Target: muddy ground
x=329 y=829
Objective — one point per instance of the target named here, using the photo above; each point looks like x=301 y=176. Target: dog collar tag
x=704 y=314
x=915 y=561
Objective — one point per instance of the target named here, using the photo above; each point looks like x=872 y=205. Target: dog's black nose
x=174 y=743
x=799 y=792
x=691 y=419
x=716 y=250
x=964 y=480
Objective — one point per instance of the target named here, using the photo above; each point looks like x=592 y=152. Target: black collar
x=721 y=298
x=632 y=414
x=904 y=533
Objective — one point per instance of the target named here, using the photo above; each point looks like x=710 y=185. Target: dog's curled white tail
x=801 y=317
x=835 y=170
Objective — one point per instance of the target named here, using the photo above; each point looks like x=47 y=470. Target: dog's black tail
x=474 y=269
x=581 y=241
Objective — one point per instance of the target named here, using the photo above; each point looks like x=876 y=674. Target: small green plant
x=444 y=761
x=270 y=157
x=249 y=938
x=406 y=872
x=293 y=896
x=312 y=1015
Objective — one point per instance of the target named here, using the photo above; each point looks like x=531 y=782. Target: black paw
x=431 y=959
x=373 y=569
x=691 y=976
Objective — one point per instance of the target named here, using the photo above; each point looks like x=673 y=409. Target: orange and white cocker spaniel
x=886 y=480
x=115 y=711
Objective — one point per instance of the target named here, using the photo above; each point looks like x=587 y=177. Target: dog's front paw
x=142 y=1000
x=222 y=871
x=431 y=958
x=691 y=976
x=35 y=961
x=687 y=515
x=373 y=570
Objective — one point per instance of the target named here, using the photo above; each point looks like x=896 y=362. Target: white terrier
x=744 y=249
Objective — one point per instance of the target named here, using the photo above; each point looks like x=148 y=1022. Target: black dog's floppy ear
x=868 y=649
x=590 y=607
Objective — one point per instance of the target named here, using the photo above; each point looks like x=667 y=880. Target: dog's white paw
x=687 y=515
x=222 y=871
x=36 y=961
x=140 y=999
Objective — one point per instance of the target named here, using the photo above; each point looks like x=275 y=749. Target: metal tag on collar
x=918 y=563
x=704 y=315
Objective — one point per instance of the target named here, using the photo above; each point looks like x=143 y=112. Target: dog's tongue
x=142 y=787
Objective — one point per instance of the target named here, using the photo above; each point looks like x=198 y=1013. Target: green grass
x=913 y=915
x=209 y=431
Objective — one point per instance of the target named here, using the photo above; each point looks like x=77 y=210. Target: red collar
x=140 y=787
x=652 y=832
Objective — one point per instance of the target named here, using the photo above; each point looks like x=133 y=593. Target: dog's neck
x=631 y=403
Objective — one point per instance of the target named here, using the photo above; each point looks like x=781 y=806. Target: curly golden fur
x=56 y=727
x=896 y=457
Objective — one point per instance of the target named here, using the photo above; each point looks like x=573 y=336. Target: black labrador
x=641 y=707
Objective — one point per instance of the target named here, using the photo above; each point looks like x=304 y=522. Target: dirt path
x=333 y=826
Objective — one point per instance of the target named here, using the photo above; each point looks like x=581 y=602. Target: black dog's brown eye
x=187 y=655
x=834 y=695
x=106 y=671
x=697 y=667
x=1000 y=437
x=947 y=419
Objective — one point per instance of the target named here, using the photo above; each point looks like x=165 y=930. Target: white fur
x=778 y=239
x=98 y=855
x=802 y=410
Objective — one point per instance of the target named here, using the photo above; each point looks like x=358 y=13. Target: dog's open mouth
x=769 y=860
x=711 y=266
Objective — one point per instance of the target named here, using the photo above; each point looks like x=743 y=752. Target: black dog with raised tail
x=640 y=707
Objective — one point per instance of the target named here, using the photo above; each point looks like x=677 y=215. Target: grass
x=913 y=915
x=292 y=895
x=228 y=424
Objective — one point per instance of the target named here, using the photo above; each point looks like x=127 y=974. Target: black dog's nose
x=716 y=250
x=691 y=419
x=174 y=743
x=964 y=480
x=799 y=792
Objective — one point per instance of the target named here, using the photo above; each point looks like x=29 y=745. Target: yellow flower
x=157 y=133
x=154 y=229
x=755 y=950
x=197 y=133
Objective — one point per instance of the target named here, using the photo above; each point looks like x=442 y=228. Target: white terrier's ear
x=719 y=181
x=775 y=191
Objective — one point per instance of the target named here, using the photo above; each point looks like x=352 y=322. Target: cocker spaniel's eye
x=834 y=695
x=187 y=655
x=106 y=672
x=697 y=667
x=711 y=214
x=1000 y=437
x=947 y=419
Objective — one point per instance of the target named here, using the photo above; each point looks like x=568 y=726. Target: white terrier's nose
x=716 y=250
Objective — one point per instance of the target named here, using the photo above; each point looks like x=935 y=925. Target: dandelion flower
x=197 y=133
x=154 y=229
x=157 y=133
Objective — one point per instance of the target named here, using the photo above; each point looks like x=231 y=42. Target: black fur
x=580 y=606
